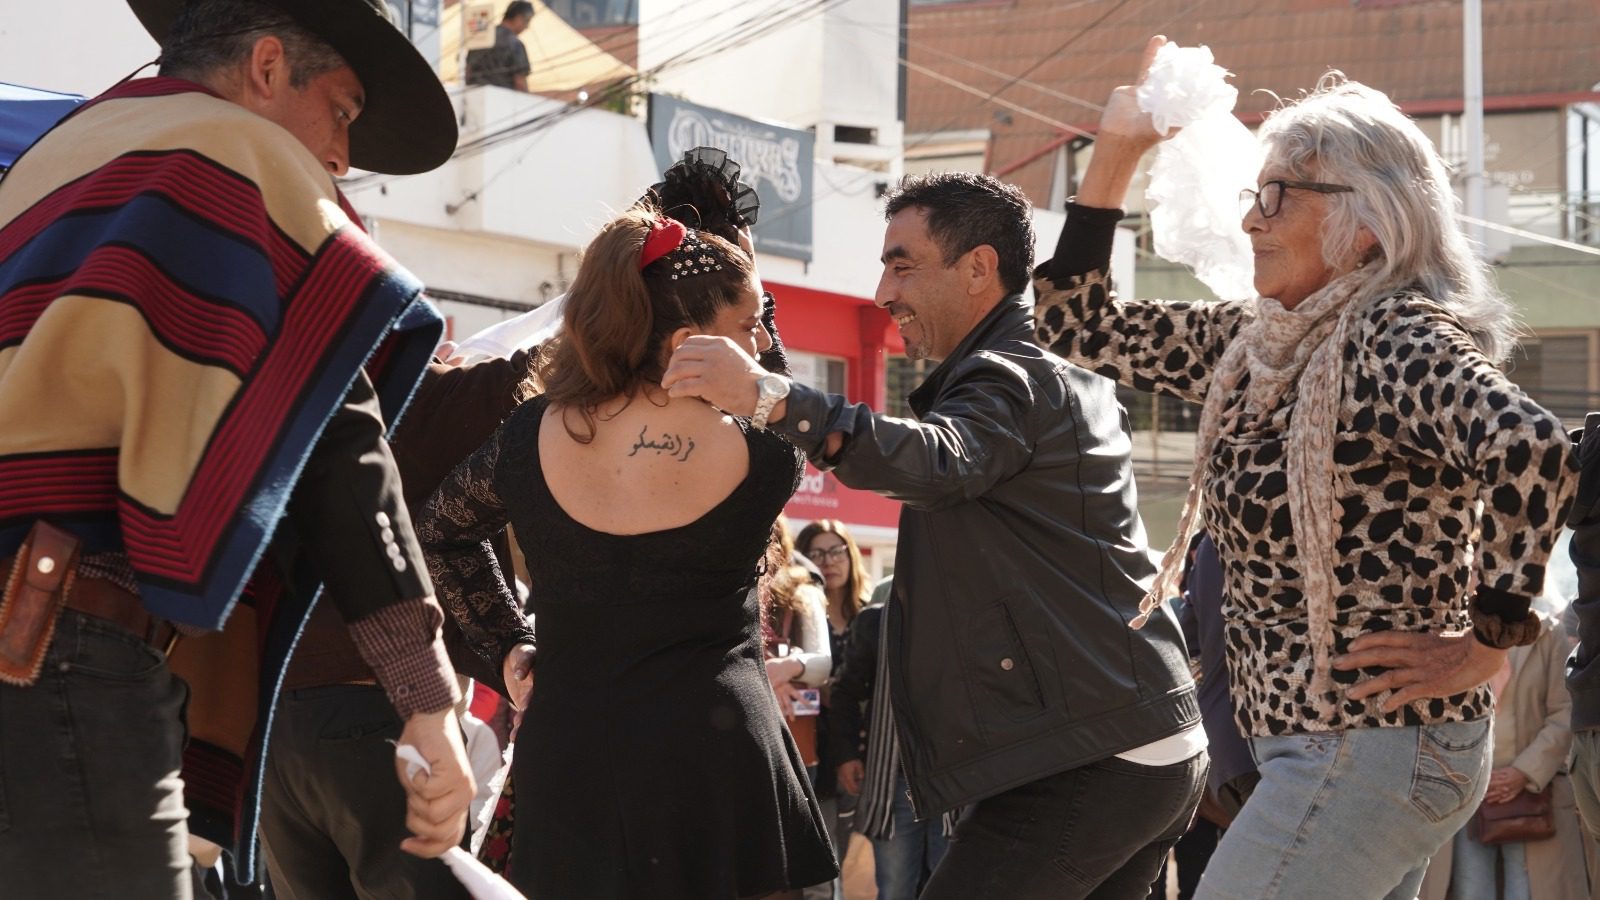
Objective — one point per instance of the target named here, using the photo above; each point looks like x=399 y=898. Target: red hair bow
x=666 y=235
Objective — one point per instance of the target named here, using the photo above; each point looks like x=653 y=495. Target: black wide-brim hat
x=406 y=125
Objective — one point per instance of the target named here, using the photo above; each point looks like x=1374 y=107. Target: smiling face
x=1288 y=246
x=928 y=300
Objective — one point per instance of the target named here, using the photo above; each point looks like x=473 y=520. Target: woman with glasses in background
x=827 y=543
x=1354 y=419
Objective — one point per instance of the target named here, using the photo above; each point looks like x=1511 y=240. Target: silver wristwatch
x=770 y=389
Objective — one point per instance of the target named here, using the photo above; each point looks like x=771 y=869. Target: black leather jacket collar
x=1011 y=317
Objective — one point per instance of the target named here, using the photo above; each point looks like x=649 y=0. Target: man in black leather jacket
x=1583 y=669
x=1017 y=684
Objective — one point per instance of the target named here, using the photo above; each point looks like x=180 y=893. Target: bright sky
x=76 y=46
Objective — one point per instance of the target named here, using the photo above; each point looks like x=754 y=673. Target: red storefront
x=840 y=344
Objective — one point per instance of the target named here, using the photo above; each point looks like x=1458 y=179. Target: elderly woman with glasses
x=1383 y=498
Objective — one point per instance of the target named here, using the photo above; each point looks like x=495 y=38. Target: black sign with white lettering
x=776 y=161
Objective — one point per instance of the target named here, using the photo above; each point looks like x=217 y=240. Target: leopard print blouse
x=1427 y=428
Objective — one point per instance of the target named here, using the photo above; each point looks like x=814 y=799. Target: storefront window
x=902 y=375
x=825 y=373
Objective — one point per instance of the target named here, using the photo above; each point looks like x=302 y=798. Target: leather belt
x=104 y=600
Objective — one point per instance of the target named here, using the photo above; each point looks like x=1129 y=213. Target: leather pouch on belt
x=35 y=591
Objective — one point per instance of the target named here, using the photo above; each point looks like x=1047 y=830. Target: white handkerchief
x=481 y=883
x=1196 y=179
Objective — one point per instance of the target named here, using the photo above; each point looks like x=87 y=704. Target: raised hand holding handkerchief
x=1195 y=181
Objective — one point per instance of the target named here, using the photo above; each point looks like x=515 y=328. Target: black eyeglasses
x=1269 y=199
x=831 y=554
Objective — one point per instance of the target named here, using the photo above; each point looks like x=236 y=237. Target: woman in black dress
x=652 y=760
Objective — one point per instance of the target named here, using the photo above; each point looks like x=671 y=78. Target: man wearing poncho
x=199 y=349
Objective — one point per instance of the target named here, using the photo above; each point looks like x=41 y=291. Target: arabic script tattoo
x=673 y=445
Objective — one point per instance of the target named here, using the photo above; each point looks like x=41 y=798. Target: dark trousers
x=1191 y=856
x=332 y=809
x=91 y=800
x=1100 y=831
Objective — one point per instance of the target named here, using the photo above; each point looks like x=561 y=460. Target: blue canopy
x=26 y=113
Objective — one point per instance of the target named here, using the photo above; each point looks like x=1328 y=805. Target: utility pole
x=1472 y=117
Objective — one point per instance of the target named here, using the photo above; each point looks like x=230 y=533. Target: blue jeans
x=1353 y=813
x=901 y=863
x=91 y=801
x=1472 y=869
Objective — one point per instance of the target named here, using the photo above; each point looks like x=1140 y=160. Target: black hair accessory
x=707 y=182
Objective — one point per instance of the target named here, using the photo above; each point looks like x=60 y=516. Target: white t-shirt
x=1186 y=744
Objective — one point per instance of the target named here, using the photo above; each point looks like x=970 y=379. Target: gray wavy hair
x=1347 y=133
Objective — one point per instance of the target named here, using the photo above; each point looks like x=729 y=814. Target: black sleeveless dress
x=652 y=760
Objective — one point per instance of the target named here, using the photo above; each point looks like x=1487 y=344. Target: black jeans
x=332 y=809
x=91 y=799
x=1099 y=831
x=1191 y=855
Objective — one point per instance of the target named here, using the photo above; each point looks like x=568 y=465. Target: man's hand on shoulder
x=436 y=804
x=715 y=370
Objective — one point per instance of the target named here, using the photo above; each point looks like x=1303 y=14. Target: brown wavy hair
x=787 y=577
x=857 y=586
x=617 y=318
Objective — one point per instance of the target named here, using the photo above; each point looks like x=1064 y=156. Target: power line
x=748 y=29
x=1002 y=15
x=1530 y=235
x=1073 y=39
x=1013 y=80
x=1007 y=104
x=584 y=52
x=987 y=70
x=587 y=51
x=1551 y=204
x=1552 y=285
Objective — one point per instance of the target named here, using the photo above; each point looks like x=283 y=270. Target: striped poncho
x=184 y=302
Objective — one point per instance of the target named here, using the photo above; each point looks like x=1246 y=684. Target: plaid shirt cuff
x=402 y=645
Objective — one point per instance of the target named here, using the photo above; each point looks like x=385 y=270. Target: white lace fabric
x=1195 y=181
